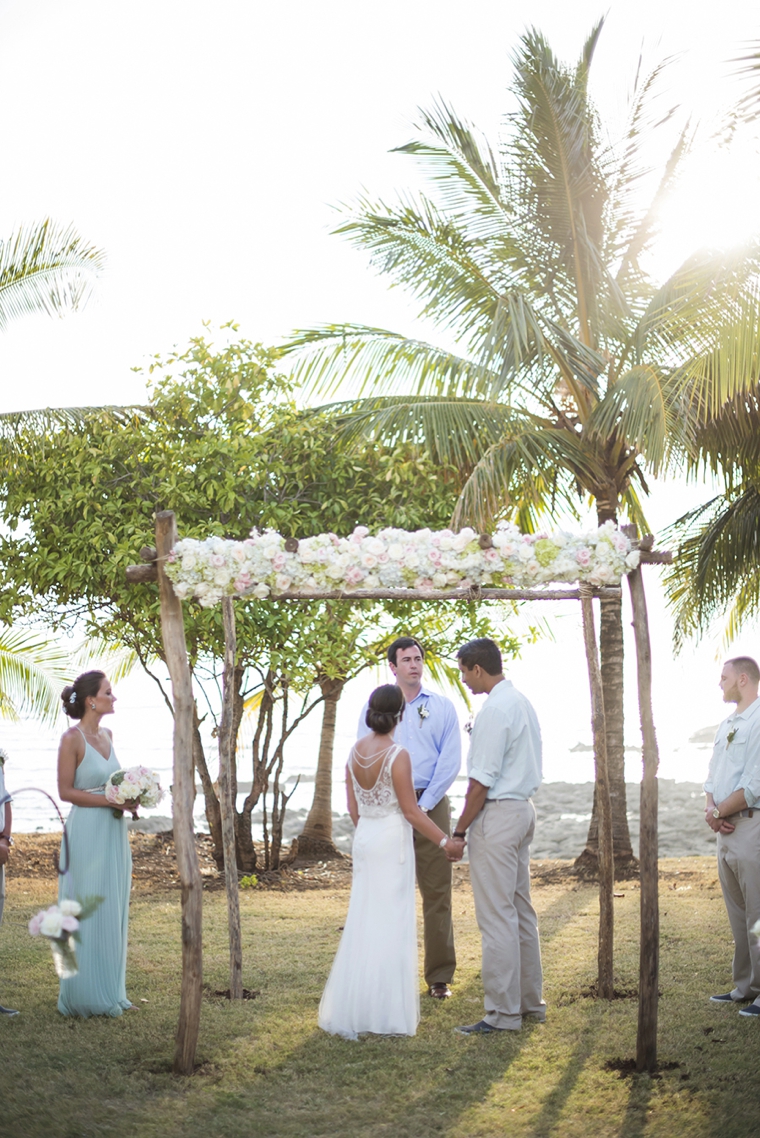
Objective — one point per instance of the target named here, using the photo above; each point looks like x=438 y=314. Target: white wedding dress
x=373 y=985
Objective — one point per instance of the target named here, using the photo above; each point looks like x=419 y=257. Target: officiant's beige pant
x=739 y=874
x=499 y=844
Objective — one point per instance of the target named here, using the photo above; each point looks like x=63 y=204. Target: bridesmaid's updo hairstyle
x=386 y=709
x=84 y=687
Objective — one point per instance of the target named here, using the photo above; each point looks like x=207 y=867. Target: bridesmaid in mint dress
x=100 y=860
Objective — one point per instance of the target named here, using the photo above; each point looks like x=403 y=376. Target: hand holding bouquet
x=133 y=787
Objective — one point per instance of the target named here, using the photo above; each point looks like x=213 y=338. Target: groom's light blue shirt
x=433 y=741
x=505 y=745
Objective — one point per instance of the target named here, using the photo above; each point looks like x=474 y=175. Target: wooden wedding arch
x=183 y=791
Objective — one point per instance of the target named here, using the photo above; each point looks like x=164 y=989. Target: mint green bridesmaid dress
x=100 y=865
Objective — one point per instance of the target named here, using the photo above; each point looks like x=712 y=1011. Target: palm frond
x=357 y=358
x=523 y=472
x=32 y=673
x=640 y=408
x=718 y=563
x=115 y=659
x=452 y=430
x=45 y=267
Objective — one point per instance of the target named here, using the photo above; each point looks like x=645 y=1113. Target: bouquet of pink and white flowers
x=135 y=784
x=60 y=925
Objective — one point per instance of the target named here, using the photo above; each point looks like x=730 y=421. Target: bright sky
x=202 y=146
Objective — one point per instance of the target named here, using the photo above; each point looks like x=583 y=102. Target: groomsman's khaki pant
x=499 y=844
x=434 y=878
x=739 y=874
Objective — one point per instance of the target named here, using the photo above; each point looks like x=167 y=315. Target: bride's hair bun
x=386 y=709
x=84 y=687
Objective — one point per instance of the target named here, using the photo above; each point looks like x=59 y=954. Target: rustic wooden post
x=183 y=795
x=226 y=801
x=605 y=981
x=649 y=960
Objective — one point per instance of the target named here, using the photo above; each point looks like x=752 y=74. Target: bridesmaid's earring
x=92 y=705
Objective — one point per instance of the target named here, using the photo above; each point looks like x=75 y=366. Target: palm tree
x=567 y=373
x=48 y=268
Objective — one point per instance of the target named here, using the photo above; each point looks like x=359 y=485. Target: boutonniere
x=3 y=757
x=731 y=735
x=468 y=726
x=423 y=711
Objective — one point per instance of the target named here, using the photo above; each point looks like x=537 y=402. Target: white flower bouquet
x=60 y=925
x=135 y=784
x=267 y=564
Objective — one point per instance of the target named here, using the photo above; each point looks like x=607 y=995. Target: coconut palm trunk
x=316 y=840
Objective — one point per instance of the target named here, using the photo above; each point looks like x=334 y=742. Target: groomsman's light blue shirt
x=505 y=745
x=735 y=765
x=433 y=742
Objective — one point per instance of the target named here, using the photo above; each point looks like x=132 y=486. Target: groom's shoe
x=479 y=1028
x=7 y=1011
x=439 y=991
x=730 y=998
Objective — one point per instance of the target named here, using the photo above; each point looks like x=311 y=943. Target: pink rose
x=354 y=575
x=35 y=923
x=279 y=560
x=490 y=555
x=435 y=557
x=217 y=560
x=583 y=557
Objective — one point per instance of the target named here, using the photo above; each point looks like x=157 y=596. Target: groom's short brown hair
x=403 y=642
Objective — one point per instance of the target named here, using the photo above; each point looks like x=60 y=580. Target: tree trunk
x=611 y=653
x=183 y=795
x=316 y=839
x=213 y=812
x=649 y=954
x=605 y=981
x=227 y=799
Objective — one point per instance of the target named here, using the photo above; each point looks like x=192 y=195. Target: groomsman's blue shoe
x=7 y=1011
x=728 y=999
x=752 y=1010
x=479 y=1028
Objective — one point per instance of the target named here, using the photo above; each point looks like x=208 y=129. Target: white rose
x=70 y=908
x=440 y=580
x=261 y=591
x=632 y=560
x=282 y=582
x=395 y=551
x=52 y=923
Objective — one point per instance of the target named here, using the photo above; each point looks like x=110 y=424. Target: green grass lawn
x=266 y=1069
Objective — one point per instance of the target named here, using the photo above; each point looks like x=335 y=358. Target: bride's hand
x=454 y=849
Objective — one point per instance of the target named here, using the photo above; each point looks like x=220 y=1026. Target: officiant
x=430 y=733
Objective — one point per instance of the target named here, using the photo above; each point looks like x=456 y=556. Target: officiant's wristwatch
x=716 y=812
x=8 y=838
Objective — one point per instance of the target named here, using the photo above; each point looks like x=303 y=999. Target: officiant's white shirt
x=505 y=745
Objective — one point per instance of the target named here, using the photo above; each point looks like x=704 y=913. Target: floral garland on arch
x=266 y=564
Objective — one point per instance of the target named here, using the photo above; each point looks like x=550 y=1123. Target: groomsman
x=6 y=841
x=504 y=768
x=430 y=733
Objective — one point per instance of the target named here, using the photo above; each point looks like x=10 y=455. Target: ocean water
x=142 y=728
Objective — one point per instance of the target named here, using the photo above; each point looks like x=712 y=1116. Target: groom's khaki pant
x=739 y=874
x=499 y=844
x=434 y=878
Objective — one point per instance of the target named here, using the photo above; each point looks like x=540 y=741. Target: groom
x=429 y=731
x=504 y=768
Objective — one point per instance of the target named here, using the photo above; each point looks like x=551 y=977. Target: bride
x=373 y=985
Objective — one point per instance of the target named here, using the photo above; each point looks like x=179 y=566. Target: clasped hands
x=460 y=844
x=718 y=825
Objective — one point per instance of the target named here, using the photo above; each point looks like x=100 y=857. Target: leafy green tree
x=222 y=445
x=566 y=373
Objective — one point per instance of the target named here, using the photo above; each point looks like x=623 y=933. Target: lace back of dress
x=380 y=799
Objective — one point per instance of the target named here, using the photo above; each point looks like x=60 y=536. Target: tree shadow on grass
x=554 y=1103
